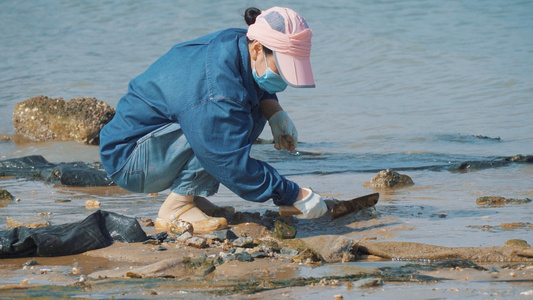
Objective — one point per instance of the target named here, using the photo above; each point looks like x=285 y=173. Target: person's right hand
x=312 y=206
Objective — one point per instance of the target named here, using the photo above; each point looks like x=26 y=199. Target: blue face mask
x=270 y=81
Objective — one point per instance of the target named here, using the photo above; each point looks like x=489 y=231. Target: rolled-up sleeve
x=219 y=133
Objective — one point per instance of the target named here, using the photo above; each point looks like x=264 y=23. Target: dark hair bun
x=251 y=14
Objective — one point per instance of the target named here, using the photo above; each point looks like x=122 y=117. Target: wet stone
x=307 y=256
x=169 y=240
x=178 y=226
x=521 y=158
x=259 y=254
x=288 y=251
x=211 y=237
x=269 y=247
x=196 y=242
x=225 y=234
x=251 y=229
x=184 y=237
x=160 y=236
x=31 y=262
x=5 y=198
x=511 y=226
x=246 y=242
x=201 y=266
x=499 y=201
x=42 y=119
x=151 y=242
x=244 y=256
x=92 y=204
x=516 y=243
x=5 y=195
x=283 y=230
x=368 y=282
x=389 y=179
x=62 y=201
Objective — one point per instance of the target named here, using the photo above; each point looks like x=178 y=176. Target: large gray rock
x=80 y=119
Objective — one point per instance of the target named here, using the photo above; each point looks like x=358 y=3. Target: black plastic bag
x=97 y=231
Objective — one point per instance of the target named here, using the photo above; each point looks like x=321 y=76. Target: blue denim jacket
x=206 y=86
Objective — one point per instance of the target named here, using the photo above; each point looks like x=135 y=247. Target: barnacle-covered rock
x=41 y=119
x=389 y=179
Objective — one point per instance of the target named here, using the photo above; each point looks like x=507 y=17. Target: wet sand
x=114 y=272
x=435 y=220
x=401 y=269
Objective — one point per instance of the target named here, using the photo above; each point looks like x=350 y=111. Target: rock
x=5 y=195
x=179 y=227
x=245 y=242
x=288 y=251
x=499 y=201
x=368 y=282
x=62 y=201
x=184 y=237
x=521 y=158
x=5 y=198
x=244 y=256
x=259 y=254
x=31 y=262
x=92 y=204
x=81 y=119
x=196 y=242
x=389 y=179
x=332 y=248
x=224 y=234
x=283 y=230
x=516 y=243
x=307 y=256
x=158 y=237
x=69 y=174
x=511 y=226
x=413 y=251
x=252 y=229
x=34 y=223
x=202 y=266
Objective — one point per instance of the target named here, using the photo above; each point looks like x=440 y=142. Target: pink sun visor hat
x=286 y=33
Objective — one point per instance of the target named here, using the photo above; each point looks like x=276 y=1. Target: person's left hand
x=283 y=131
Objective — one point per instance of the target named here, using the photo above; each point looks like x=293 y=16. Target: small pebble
x=75 y=271
x=31 y=262
x=25 y=282
x=91 y=204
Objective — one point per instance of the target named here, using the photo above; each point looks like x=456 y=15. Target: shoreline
x=438 y=215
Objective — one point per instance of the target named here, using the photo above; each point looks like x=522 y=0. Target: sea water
x=399 y=84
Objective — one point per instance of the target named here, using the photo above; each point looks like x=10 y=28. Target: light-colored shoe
x=209 y=224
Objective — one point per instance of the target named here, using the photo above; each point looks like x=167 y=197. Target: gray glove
x=283 y=131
